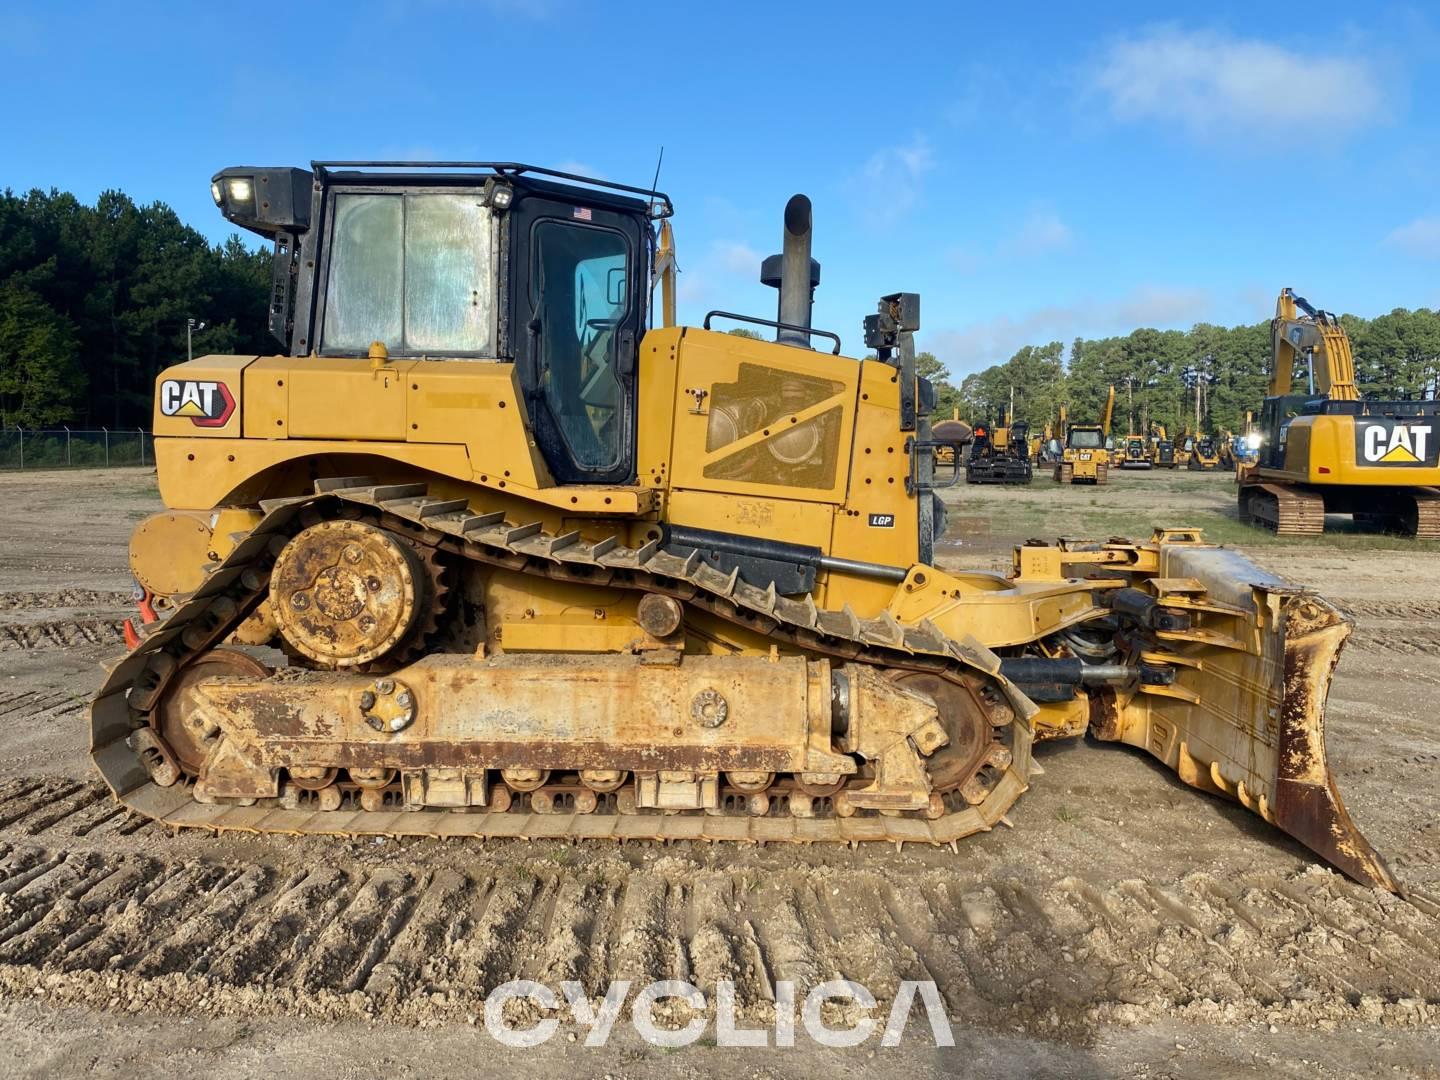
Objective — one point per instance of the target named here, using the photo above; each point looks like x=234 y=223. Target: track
x=1283 y=510
x=88 y=912
x=235 y=587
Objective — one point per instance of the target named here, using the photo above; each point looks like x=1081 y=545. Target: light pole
x=191 y=325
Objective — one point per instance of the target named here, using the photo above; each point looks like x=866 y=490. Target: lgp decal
x=1394 y=443
x=207 y=404
x=882 y=521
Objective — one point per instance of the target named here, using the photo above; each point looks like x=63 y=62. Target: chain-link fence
x=63 y=448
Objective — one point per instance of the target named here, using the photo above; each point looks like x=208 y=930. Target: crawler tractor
x=492 y=547
x=1085 y=457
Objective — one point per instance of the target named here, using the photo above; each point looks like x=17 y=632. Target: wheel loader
x=1327 y=451
x=492 y=547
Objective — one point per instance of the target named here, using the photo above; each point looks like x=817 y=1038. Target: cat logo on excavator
x=1384 y=443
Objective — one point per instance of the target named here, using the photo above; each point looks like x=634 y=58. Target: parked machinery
x=1162 y=447
x=1085 y=458
x=1204 y=454
x=1135 y=453
x=1327 y=451
x=1000 y=455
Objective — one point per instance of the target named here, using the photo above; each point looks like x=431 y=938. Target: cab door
x=578 y=298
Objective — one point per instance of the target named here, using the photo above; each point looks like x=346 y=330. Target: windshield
x=414 y=270
x=1084 y=440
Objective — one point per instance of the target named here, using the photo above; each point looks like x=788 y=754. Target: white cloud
x=1215 y=85
x=889 y=183
x=738 y=258
x=1039 y=234
x=713 y=273
x=992 y=341
x=1420 y=238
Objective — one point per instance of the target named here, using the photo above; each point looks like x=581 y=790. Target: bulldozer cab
x=475 y=262
x=1085 y=438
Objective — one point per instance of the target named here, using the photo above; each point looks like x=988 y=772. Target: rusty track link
x=1284 y=510
x=1427 y=514
x=238 y=584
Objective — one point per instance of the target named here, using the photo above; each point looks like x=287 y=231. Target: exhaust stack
x=794 y=273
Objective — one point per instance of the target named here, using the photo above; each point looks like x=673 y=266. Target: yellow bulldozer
x=1085 y=458
x=530 y=559
x=1326 y=451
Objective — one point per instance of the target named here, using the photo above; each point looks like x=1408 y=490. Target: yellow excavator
x=1327 y=451
x=533 y=560
x=1084 y=458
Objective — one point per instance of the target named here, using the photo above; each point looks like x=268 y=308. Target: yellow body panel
x=734 y=374
x=339 y=398
x=1321 y=450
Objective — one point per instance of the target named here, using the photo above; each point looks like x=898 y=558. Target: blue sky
x=1034 y=171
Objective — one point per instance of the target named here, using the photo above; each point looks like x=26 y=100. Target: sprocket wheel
x=351 y=594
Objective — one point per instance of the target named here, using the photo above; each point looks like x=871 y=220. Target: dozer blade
x=1245 y=717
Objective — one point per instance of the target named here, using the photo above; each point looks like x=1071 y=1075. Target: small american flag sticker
x=582 y=213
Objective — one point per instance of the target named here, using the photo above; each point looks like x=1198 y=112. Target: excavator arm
x=1300 y=330
x=1109 y=412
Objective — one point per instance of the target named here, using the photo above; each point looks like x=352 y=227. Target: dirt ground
x=1124 y=926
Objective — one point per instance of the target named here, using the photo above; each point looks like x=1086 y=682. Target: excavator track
x=136 y=687
x=1284 y=510
x=1427 y=513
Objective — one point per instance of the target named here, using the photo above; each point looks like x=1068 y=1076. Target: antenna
x=655 y=184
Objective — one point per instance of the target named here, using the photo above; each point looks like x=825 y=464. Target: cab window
x=579 y=288
x=414 y=270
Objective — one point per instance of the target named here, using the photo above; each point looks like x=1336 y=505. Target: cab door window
x=579 y=289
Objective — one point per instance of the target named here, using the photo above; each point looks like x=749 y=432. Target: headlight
x=239 y=188
x=215 y=192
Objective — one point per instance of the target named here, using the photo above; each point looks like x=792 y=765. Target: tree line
x=1158 y=375
x=94 y=303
